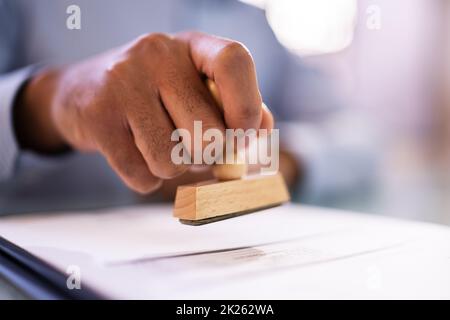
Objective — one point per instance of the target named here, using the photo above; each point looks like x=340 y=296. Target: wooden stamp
x=231 y=194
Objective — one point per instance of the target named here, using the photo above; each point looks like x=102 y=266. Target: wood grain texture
x=226 y=172
x=214 y=199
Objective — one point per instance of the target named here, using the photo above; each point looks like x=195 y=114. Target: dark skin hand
x=126 y=102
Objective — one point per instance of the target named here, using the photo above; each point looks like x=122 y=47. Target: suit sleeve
x=10 y=83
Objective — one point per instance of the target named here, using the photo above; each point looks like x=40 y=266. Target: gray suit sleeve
x=10 y=83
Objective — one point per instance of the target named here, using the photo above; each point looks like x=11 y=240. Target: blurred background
x=390 y=60
x=387 y=60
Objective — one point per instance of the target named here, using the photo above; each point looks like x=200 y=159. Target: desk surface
x=284 y=252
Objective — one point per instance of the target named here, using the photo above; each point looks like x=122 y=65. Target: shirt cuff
x=10 y=84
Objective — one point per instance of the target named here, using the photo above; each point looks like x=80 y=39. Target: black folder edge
x=36 y=278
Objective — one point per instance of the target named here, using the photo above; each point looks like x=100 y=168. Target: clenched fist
x=126 y=103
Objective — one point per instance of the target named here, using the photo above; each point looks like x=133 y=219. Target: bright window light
x=309 y=27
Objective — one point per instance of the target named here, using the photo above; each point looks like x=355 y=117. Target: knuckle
x=115 y=71
x=213 y=124
x=156 y=43
x=156 y=146
x=168 y=170
x=157 y=149
x=146 y=186
x=247 y=117
x=189 y=33
x=251 y=112
x=135 y=175
x=235 y=55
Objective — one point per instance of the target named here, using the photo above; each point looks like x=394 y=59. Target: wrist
x=34 y=126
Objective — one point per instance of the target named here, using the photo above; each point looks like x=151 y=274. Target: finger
x=122 y=155
x=152 y=129
x=229 y=64
x=187 y=99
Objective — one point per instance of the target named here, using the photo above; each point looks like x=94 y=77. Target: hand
x=126 y=103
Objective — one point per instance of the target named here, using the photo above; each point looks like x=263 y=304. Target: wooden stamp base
x=213 y=200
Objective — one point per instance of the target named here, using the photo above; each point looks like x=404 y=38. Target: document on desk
x=288 y=252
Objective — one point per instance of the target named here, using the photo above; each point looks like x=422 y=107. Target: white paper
x=284 y=252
